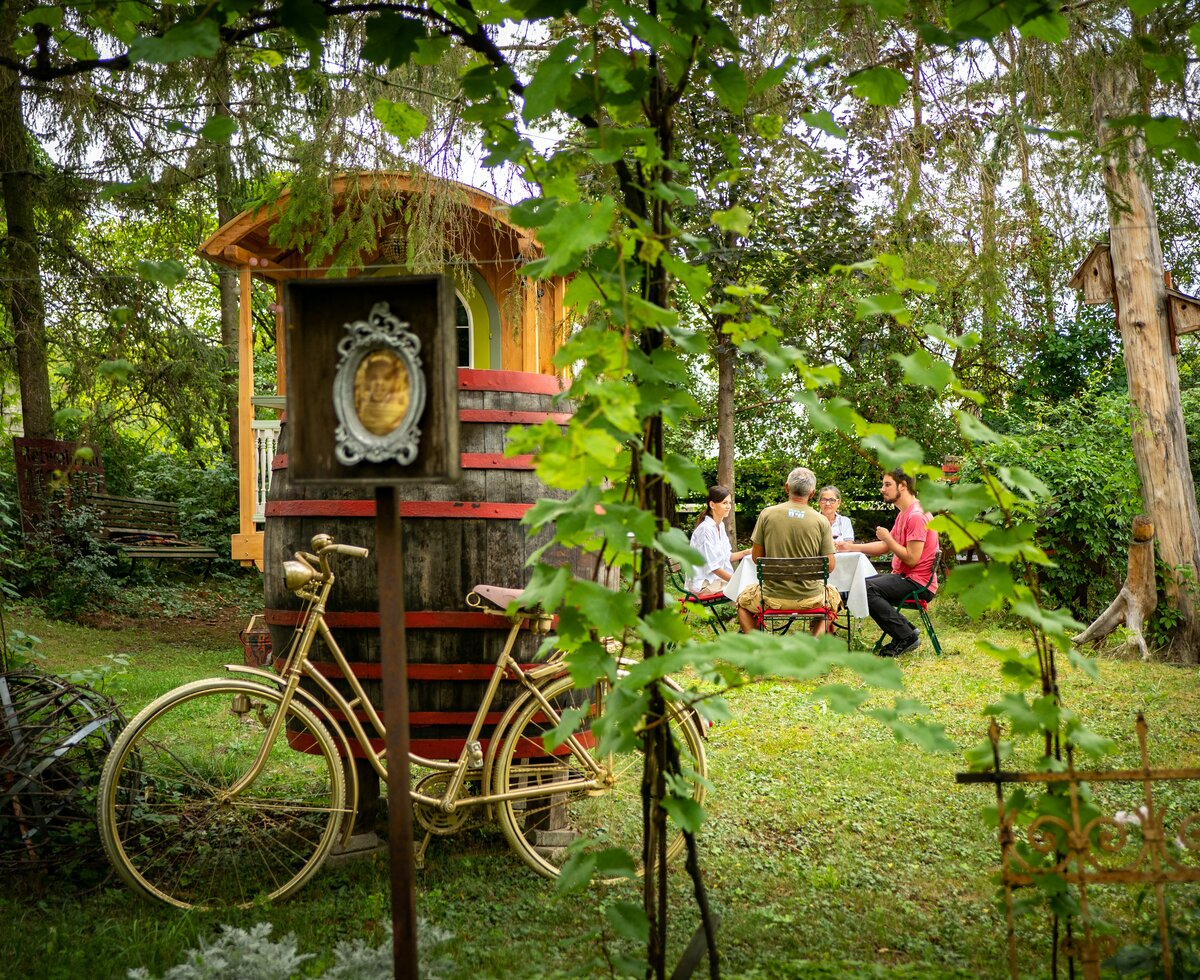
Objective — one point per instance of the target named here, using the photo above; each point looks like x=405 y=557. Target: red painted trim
x=431 y=748
x=468 y=461
x=420 y=619
x=470 y=509
x=470 y=379
x=416 y=672
x=430 y=717
x=320 y=508
x=511 y=418
x=495 y=461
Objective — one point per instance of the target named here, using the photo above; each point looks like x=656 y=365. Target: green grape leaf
x=823 y=119
x=550 y=81
x=729 y=82
x=574 y=229
x=50 y=16
x=882 y=304
x=117 y=370
x=392 y=39
x=686 y=812
x=980 y=586
x=973 y=429
x=1093 y=744
x=629 y=920
x=880 y=85
x=841 y=698
x=922 y=368
x=889 y=9
x=170 y=272
x=767 y=125
x=576 y=872
x=1168 y=67
x=191 y=39
x=400 y=119
x=219 y=129
x=736 y=219
x=1051 y=27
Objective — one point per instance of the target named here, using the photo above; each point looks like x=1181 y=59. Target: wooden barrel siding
x=455 y=536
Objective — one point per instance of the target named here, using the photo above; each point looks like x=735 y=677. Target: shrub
x=1081 y=451
x=249 y=954
x=71 y=570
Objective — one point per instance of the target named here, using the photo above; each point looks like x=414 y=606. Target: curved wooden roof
x=245 y=239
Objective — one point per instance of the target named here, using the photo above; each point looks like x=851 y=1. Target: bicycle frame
x=315 y=585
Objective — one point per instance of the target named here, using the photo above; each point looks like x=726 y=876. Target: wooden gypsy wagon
x=455 y=535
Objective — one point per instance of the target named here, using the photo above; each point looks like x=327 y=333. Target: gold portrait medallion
x=381 y=389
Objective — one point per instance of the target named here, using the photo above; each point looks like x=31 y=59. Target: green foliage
x=1167 y=617
x=251 y=954
x=204 y=487
x=1183 y=932
x=1079 y=450
x=69 y=568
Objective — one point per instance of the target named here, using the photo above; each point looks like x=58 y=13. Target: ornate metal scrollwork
x=378 y=391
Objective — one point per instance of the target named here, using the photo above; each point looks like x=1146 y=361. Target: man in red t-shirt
x=914 y=549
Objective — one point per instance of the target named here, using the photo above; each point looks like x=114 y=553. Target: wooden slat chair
x=712 y=601
x=920 y=606
x=775 y=570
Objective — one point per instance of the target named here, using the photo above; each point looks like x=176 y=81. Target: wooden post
x=245 y=408
x=389 y=557
x=1138 y=596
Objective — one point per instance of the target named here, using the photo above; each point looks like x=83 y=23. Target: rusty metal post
x=389 y=556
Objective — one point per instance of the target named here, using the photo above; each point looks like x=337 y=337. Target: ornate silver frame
x=383 y=337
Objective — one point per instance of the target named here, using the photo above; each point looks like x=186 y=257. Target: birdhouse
x=1183 y=311
x=1095 y=276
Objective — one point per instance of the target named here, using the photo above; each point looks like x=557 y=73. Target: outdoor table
x=850 y=574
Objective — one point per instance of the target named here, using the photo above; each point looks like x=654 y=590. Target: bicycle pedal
x=475 y=755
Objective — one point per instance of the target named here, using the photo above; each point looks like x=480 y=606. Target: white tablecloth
x=850 y=574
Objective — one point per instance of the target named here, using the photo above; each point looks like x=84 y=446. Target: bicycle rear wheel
x=167 y=823
x=590 y=801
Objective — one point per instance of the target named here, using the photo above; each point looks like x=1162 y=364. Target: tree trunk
x=26 y=305
x=1159 y=438
x=724 y=354
x=1138 y=596
x=227 y=279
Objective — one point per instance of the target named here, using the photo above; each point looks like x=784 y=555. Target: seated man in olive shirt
x=791 y=530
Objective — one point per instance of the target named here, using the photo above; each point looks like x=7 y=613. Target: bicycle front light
x=297 y=574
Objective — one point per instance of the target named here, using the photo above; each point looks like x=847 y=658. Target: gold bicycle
x=231 y=791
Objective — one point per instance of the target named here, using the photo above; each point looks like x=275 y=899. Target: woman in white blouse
x=829 y=499
x=712 y=541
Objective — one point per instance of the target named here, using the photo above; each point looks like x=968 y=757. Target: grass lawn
x=830 y=849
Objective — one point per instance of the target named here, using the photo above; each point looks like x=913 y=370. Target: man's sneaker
x=904 y=646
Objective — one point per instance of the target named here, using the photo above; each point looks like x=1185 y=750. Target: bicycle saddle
x=501 y=598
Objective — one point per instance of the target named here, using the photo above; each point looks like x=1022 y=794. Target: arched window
x=462 y=323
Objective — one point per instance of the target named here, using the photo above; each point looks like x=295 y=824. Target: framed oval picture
x=378 y=390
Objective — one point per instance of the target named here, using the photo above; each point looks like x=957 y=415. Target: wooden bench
x=142 y=528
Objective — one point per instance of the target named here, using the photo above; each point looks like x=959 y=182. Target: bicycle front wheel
x=174 y=832
x=572 y=797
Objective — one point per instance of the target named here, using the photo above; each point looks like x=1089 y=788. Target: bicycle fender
x=334 y=728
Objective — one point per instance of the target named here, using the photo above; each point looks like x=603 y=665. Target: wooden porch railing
x=266 y=437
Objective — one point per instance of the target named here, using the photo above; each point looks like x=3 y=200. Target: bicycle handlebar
x=349 y=550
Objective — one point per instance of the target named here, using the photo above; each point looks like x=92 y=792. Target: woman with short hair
x=829 y=499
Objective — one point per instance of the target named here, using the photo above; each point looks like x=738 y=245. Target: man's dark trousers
x=883 y=592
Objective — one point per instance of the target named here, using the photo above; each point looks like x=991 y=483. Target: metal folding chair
x=778 y=570
x=711 y=601
x=915 y=603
